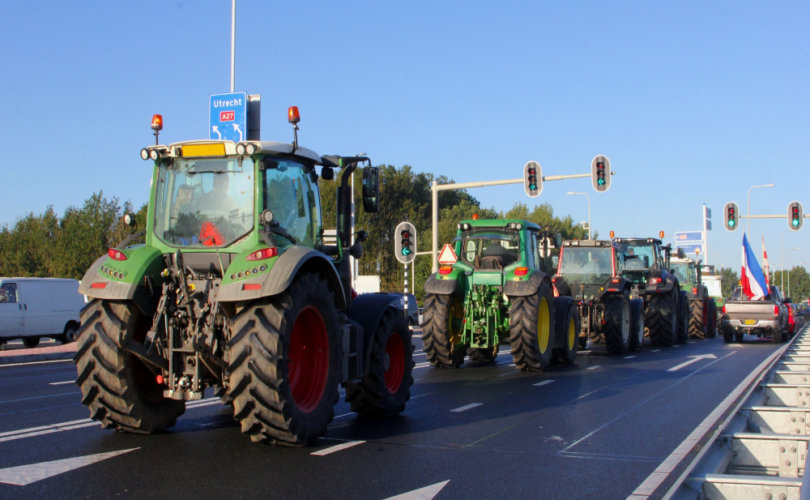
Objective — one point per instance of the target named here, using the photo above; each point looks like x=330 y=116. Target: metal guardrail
x=760 y=450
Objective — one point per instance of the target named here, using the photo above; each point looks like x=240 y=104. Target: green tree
x=730 y=280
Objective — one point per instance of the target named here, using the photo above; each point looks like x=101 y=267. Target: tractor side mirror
x=371 y=189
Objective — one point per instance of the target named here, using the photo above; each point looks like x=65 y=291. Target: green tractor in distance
x=234 y=289
x=498 y=292
x=702 y=308
x=590 y=272
x=645 y=263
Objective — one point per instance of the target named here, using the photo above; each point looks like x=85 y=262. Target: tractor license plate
x=750 y=322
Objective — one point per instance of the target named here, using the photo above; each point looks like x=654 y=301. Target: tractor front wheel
x=566 y=320
x=617 y=323
x=284 y=357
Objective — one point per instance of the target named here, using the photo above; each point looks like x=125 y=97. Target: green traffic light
x=795 y=222
x=601 y=181
x=533 y=186
x=732 y=223
x=406 y=251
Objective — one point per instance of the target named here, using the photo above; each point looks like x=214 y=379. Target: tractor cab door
x=292 y=196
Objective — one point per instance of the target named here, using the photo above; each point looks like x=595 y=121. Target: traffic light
x=405 y=242
x=795 y=215
x=600 y=173
x=731 y=216
x=533 y=179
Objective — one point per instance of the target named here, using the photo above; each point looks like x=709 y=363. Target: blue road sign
x=689 y=236
x=228 y=117
x=691 y=250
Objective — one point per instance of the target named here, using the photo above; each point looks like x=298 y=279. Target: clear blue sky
x=693 y=101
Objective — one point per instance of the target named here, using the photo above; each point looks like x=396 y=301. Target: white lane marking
x=65 y=382
x=587 y=394
x=594 y=367
x=9 y=365
x=656 y=350
x=629 y=357
x=422 y=365
x=24 y=475
x=544 y=382
x=694 y=359
x=336 y=448
x=466 y=407
x=78 y=424
x=637 y=406
x=426 y=493
x=75 y=393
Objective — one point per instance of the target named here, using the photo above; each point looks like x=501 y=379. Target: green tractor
x=645 y=263
x=702 y=308
x=235 y=290
x=498 y=292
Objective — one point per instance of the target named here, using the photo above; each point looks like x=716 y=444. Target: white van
x=31 y=308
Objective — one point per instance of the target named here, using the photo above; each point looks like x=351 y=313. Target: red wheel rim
x=309 y=359
x=395 y=363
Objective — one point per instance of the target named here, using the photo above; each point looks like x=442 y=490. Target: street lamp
x=748 y=206
x=589 y=209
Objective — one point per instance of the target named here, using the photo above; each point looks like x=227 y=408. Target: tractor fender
x=96 y=285
x=367 y=309
x=668 y=282
x=614 y=287
x=526 y=287
x=440 y=287
x=289 y=264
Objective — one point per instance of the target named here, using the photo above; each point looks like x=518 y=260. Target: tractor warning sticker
x=447 y=256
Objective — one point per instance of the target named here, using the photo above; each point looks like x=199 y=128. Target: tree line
x=65 y=246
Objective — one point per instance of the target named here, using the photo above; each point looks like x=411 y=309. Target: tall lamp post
x=748 y=207
x=589 y=209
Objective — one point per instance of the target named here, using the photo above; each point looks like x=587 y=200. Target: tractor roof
x=498 y=223
x=208 y=148
x=587 y=243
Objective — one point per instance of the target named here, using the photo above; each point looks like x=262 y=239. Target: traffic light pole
x=436 y=187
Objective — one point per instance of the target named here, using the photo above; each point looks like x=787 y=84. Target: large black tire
x=617 y=323
x=566 y=322
x=30 y=342
x=683 y=318
x=636 y=324
x=531 y=325
x=284 y=357
x=661 y=317
x=441 y=323
x=728 y=334
x=385 y=389
x=116 y=386
x=712 y=317
x=698 y=318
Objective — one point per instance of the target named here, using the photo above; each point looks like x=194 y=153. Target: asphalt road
x=595 y=429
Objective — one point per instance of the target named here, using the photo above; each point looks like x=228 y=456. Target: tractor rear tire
x=617 y=323
x=116 y=386
x=284 y=364
x=728 y=334
x=531 y=326
x=698 y=318
x=441 y=321
x=566 y=321
x=712 y=331
x=661 y=318
x=385 y=389
x=683 y=318
x=636 y=324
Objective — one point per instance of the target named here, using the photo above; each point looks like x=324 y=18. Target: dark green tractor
x=702 y=308
x=645 y=264
x=498 y=292
x=235 y=290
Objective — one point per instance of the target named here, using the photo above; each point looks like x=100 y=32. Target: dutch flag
x=753 y=281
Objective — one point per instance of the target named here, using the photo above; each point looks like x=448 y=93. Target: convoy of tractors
x=234 y=290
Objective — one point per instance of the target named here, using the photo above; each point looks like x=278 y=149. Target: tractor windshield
x=490 y=249
x=638 y=256
x=684 y=272
x=203 y=202
x=586 y=265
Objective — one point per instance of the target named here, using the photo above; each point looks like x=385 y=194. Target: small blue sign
x=691 y=250
x=689 y=236
x=228 y=117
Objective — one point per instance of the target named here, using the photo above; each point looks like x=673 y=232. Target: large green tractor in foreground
x=235 y=290
x=498 y=292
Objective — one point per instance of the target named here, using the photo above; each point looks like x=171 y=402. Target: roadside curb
x=47 y=354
